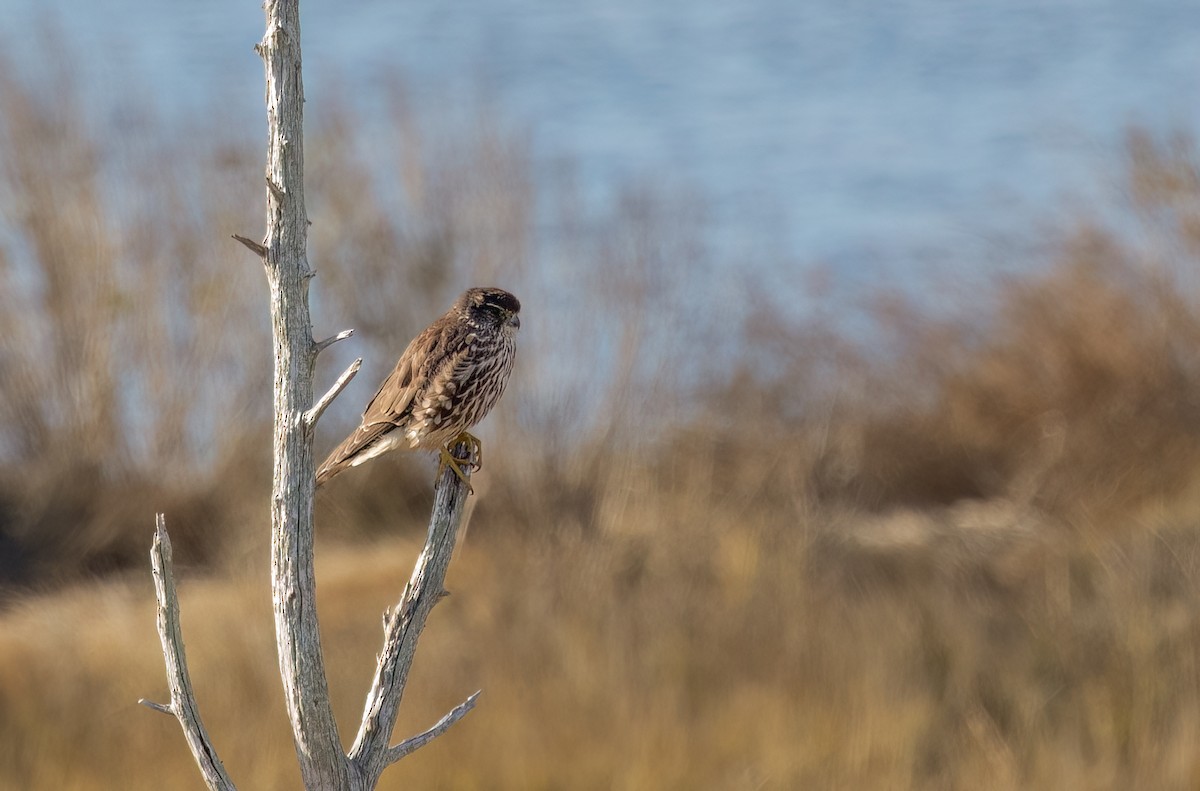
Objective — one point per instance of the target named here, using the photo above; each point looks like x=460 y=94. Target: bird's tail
x=346 y=455
x=335 y=463
x=324 y=474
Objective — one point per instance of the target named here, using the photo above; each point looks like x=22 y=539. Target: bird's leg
x=447 y=459
x=474 y=457
x=474 y=449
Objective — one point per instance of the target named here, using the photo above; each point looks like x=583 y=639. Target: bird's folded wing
x=392 y=405
x=384 y=412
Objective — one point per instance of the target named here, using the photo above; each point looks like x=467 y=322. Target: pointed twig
x=421 y=739
x=313 y=415
x=165 y=709
x=275 y=189
x=254 y=246
x=183 y=699
x=321 y=346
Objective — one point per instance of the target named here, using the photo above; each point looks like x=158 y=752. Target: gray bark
x=403 y=626
x=323 y=766
x=183 y=700
x=293 y=583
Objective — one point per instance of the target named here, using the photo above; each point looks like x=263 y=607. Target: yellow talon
x=448 y=460
x=475 y=457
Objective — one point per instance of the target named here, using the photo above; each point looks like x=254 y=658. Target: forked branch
x=293 y=578
x=402 y=628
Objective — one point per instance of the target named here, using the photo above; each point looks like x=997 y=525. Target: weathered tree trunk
x=323 y=766
x=293 y=583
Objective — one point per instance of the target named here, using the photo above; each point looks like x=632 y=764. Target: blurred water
x=871 y=136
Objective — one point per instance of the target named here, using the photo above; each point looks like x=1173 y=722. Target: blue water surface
x=867 y=136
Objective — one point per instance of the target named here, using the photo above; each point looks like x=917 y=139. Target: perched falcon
x=447 y=380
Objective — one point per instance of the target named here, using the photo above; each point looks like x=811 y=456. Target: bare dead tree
x=301 y=664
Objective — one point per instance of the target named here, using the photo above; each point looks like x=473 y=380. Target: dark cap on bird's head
x=495 y=303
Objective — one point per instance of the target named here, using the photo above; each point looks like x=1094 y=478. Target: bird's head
x=492 y=307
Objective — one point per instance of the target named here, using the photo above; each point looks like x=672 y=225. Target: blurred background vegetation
x=948 y=542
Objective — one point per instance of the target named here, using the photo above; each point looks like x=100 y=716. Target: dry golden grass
x=709 y=648
x=946 y=553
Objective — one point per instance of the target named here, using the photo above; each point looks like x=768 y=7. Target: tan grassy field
x=972 y=648
x=716 y=546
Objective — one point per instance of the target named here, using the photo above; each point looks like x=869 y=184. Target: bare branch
x=165 y=709
x=183 y=700
x=321 y=346
x=313 y=415
x=402 y=628
x=254 y=246
x=421 y=739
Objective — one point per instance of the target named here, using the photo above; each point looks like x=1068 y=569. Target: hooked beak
x=514 y=321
